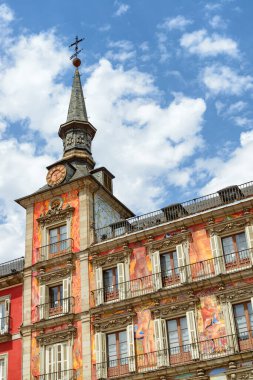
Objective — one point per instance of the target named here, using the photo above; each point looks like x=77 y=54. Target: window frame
x=4 y=357
x=114 y=294
x=175 y=276
x=234 y=263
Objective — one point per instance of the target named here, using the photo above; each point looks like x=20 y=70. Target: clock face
x=56 y=175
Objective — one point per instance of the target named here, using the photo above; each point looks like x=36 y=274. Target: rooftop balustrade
x=173 y=212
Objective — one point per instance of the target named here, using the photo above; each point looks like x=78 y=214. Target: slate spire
x=77 y=108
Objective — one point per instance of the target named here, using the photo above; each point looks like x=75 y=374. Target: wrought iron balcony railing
x=4 y=325
x=68 y=374
x=55 y=309
x=173 y=212
x=201 y=270
x=173 y=356
x=12 y=267
x=49 y=251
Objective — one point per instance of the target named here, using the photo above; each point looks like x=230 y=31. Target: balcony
x=173 y=212
x=55 y=309
x=50 y=251
x=175 y=356
x=201 y=270
x=69 y=374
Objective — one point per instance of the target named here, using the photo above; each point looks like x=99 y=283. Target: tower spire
x=77 y=133
x=77 y=109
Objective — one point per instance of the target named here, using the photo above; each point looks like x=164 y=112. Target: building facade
x=166 y=295
x=11 y=299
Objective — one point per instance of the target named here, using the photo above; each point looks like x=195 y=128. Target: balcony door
x=235 y=250
x=110 y=280
x=178 y=340
x=57 y=362
x=117 y=353
x=243 y=315
x=169 y=269
x=57 y=239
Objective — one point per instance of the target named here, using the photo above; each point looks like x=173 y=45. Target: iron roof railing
x=175 y=211
x=12 y=267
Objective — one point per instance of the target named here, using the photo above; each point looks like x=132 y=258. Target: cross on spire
x=75 y=44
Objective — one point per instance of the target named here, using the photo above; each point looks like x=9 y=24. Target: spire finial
x=75 y=60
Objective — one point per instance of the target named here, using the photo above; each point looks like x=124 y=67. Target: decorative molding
x=165 y=311
x=112 y=258
x=229 y=225
x=55 y=275
x=55 y=214
x=170 y=241
x=56 y=336
x=116 y=322
x=236 y=294
x=241 y=374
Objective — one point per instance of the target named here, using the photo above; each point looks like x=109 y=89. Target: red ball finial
x=76 y=62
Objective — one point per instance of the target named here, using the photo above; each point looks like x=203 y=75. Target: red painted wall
x=14 y=347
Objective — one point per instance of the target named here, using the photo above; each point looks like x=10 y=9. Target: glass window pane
x=241 y=241
x=227 y=244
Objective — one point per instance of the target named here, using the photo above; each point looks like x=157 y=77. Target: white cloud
x=223 y=80
x=162 y=46
x=237 y=169
x=124 y=108
x=199 y=42
x=121 y=51
x=122 y=8
x=217 y=22
x=213 y=6
x=242 y=121
x=105 y=28
x=6 y=13
x=178 y=22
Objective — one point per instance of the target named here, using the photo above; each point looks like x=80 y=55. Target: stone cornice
x=229 y=225
x=175 y=309
x=56 y=336
x=169 y=241
x=114 y=323
x=55 y=215
x=112 y=258
x=55 y=275
x=55 y=261
x=234 y=295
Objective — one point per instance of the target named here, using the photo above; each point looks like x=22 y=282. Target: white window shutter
x=228 y=315
x=121 y=281
x=217 y=251
x=249 y=238
x=99 y=286
x=42 y=291
x=233 y=326
x=131 y=348
x=193 y=337
x=7 y=303
x=156 y=270
x=161 y=342
x=101 y=356
x=65 y=294
x=181 y=263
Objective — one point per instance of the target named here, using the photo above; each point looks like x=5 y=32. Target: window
x=110 y=279
x=55 y=299
x=243 y=315
x=117 y=349
x=58 y=239
x=4 y=316
x=3 y=367
x=235 y=250
x=57 y=361
x=169 y=268
x=178 y=339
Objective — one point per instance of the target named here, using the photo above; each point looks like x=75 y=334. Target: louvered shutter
x=249 y=238
x=7 y=314
x=65 y=293
x=42 y=291
x=131 y=348
x=181 y=263
x=216 y=247
x=101 y=357
x=51 y=359
x=228 y=314
x=193 y=337
x=161 y=342
x=99 y=286
x=156 y=270
x=121 y=281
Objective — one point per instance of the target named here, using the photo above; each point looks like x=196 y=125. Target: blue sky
x=168 y=85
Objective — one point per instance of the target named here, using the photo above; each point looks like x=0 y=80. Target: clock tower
x=61 y=218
